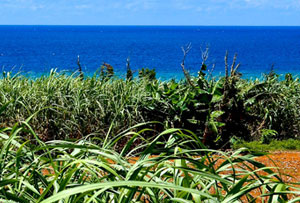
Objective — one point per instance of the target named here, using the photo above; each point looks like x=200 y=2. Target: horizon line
x=151 y=25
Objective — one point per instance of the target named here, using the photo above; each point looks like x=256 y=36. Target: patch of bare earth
x=287 y=163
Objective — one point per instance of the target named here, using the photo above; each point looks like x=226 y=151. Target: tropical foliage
x=72 y=138
x=216 y=109
x=81 y=171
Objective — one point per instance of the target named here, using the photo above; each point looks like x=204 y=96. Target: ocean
x=35 y=50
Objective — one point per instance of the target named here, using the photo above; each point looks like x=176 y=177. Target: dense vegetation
x=105 y=139
x=82 y=171
x=217 y=110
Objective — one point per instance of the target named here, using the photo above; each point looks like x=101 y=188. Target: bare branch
x=236 y=68
x=210 y=72
x=233 y=64
x=186 y=74
x=185 y=51
x=226 y=74
x=204 y=54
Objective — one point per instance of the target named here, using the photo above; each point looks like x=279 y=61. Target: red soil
x=287 y=163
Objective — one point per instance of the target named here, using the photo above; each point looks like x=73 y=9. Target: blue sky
x=150 y=12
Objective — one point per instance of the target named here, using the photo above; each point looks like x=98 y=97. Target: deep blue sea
x=35 y=50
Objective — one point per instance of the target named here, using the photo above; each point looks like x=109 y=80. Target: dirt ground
x=287 y=162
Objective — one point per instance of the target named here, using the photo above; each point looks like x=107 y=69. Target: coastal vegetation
x=82 y=171
x=218 y=110
x=72 y=138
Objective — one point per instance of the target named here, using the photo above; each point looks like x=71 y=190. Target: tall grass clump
x=80 y=171
x=216 y=109
x=71 y=106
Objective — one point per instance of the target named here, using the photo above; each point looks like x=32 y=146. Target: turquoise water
x=35 y=50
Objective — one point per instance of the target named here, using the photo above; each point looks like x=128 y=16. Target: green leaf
x=98 y=186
